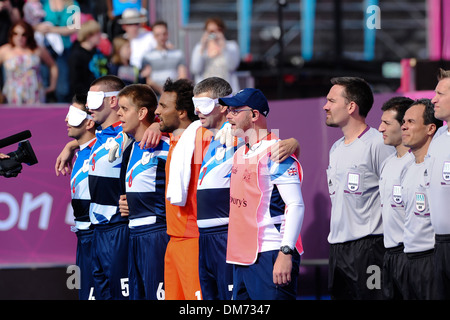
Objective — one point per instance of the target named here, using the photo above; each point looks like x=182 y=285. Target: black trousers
x=421 y=275
x=395 y=283
x=355 y=268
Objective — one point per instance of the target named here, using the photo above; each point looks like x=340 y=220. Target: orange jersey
x=182 y=221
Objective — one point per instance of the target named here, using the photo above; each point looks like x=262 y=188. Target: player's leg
x=206 y=275
x=100 y=261
x=239 y=289
x=188 y=268
x=135 y=258
x=118 y=239
x=153 y=271
x=174 y=289
x=223 y=271
x=258 y=278
x=84 y=262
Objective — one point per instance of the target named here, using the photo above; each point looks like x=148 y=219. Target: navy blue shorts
x=216 y=276
x=146 y=262
x=110 y=261
x=84 y=262
x=255 y=282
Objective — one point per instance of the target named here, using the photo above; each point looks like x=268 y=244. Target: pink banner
x=438 y=29
x=35 y=211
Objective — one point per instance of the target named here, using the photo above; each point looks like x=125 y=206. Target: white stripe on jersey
x=99 y=213
x=214 y=222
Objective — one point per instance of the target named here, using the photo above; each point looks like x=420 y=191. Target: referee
x=353 y=177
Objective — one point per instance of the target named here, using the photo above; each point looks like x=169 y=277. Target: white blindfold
x=205 y=105
x=95 y=98
x=76 y=116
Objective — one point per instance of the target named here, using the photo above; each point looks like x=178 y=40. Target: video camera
x=12 y=166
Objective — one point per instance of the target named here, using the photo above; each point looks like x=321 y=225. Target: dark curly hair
x=184 y=89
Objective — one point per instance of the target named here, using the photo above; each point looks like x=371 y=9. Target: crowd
x=53 y=49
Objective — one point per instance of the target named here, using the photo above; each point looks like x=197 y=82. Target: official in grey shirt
x=439 y=184
x=392 y=204
x=353 y=178
x=419 y=127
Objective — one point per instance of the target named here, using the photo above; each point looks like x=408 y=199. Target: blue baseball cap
x=251 y=97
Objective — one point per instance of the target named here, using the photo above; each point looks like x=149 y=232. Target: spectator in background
x=86 y=62
x=21 y=58
x=215 y=56
x=33 y=12
x=141 y=40
x=162 y=62
x=115 y=10
x=120 y=62
x=60 y=17
x=10 y=13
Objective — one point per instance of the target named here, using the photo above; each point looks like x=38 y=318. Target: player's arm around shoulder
x=283 y=149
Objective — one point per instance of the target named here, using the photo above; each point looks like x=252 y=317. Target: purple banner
x=35 y=212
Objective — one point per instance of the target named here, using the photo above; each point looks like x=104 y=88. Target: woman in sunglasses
x=21 y=58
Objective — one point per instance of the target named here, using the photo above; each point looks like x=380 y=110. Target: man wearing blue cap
x=266 y=206
x=213 y=189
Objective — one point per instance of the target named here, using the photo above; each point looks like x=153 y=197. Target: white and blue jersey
x=79 y=186
x=145 y=184
x=213 y=188
x=104 y=177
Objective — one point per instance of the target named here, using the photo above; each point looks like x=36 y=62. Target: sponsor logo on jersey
x=238 y=202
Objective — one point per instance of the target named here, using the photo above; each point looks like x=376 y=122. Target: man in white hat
x=141 y=40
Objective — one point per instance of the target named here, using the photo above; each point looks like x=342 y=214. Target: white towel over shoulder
x=180 y=166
